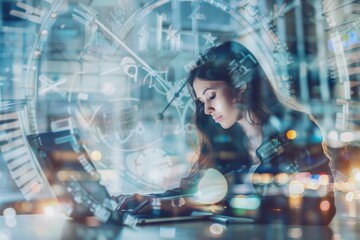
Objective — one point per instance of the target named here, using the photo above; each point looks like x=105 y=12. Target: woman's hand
x=149 y=204
x=130 y=202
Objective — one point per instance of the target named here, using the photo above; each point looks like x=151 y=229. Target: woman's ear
x=242 y=87
x=239 y=94
x=240 y=90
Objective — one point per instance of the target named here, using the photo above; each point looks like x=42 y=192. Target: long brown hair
x=235 y=64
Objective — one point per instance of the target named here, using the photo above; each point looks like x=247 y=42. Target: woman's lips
x=217 y=119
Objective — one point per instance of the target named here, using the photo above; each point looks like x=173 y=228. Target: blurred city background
x=98 y=86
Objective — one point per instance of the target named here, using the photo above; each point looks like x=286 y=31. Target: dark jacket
x=278 y=153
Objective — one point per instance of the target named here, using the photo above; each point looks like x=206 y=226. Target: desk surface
x=58 y=227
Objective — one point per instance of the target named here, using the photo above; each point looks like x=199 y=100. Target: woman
x=261 y=132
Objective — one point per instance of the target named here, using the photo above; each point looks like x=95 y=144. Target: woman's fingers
x=127 y=202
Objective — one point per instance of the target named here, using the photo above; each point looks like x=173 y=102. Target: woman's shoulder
x=298 y=127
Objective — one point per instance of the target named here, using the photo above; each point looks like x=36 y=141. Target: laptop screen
x=72 y=177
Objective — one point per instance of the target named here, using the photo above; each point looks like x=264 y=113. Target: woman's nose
x=208 y=109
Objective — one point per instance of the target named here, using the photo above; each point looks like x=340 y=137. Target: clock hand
x=160 y=116
x=161 y=164
x=90 y=16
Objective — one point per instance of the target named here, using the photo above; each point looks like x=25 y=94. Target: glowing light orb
x=216 y=229
x=96 y=155
x=212 y=188
x=291 y=134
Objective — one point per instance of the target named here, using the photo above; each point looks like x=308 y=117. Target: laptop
x=72 y=176
x=77 y=187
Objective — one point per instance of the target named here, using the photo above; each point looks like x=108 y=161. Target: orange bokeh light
x=325 y=205
x=291 y=134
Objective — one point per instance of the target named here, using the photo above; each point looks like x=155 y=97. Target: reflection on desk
x=59 y=227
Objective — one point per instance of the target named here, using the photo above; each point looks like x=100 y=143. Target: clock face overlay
x=110 y=76
x=105 y=80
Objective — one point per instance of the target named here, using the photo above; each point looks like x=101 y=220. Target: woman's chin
x=225 y=125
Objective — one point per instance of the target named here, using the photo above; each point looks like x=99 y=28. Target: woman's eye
x=211 y=96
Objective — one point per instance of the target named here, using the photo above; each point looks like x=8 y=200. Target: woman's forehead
x=200 y=83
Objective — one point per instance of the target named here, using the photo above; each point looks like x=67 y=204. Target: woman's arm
x=308 y=197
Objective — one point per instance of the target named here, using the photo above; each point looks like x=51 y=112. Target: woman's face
x=219 y=100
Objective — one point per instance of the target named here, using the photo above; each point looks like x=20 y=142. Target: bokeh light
x=296 y=188
x=291 y=134
x=349 y=196
x=245 y=202
x=295 y=233
x=212 y=187
x=216 y=229
x=96 y=155
x=324 y=205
